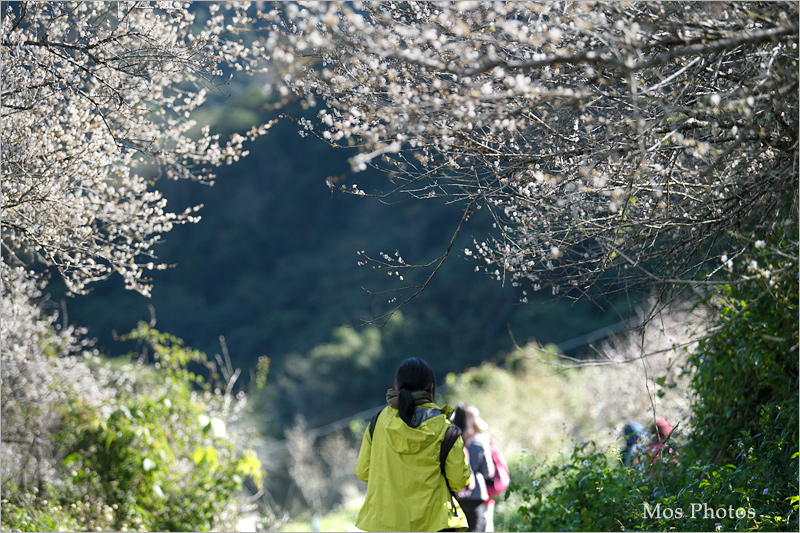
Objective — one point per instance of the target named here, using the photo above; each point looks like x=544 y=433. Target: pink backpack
x=498 y=484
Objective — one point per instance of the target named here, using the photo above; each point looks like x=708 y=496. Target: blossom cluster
x=637 y=136
x=97 y=103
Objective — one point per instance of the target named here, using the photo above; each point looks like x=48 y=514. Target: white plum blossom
x=634 y=134
x=97 y=100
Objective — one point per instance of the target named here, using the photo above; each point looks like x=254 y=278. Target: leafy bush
x=745 y=382
x=26 y=511
x=160 y=456
x=745 y=375
x=591 y=491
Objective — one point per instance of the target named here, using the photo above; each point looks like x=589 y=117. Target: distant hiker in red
x=659 y=450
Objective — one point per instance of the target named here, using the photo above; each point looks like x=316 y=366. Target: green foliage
x=591 y=491
x=161 y=458
x=738 y=468
x=582 y=493
x=746 y=374
x=746 y=386
x=26 y=511
x=262 y=369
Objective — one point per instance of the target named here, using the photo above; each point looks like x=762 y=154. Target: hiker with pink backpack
x=489 y=469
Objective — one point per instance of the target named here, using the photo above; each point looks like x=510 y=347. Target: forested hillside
x=273 y=268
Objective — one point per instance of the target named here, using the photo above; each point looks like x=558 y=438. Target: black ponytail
x=413 y=375
x=405 y=405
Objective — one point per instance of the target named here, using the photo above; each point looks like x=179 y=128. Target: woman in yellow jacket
x=406 y=490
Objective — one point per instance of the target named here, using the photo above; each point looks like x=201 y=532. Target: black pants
x=476 y=520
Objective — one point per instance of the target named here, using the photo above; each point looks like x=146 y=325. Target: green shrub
x=745 y=381
x=591 y=491
x=745 y=375
x=160 y=458
x=27 y=511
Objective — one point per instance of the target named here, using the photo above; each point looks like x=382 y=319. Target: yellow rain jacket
x=405 y=487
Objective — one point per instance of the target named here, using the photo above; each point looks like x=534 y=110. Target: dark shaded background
x=272 y=268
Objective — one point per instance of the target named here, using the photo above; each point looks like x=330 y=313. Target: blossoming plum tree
x=657 y=139
x=96 y=102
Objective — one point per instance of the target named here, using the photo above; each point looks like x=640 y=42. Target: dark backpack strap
x=450 y=438
x=373 y=421
x=451 y=435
